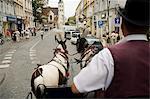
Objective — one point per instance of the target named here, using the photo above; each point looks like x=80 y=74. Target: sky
x=69 y=6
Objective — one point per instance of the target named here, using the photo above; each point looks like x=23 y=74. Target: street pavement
x=18 y=60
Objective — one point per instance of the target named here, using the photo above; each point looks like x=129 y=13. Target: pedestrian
x=17 y=34
x=34 y=31
x=27 y=33
x=121 y=70
x=42 y=34
x=14 y=38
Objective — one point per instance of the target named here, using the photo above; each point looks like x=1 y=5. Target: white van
x=68 y=34
x=75 y=36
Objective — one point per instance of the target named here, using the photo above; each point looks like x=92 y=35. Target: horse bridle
x=59 y=61
x=84 y=54
x=64 y=54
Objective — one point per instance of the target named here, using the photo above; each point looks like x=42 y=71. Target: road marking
x=8 y=55
x=4 y=66
x=31 y=50
x=33 y=58
x=32 y=55
x=11 y=52
x=35 y=62
x=34 y=45
x=6 y=61
x=7 y=58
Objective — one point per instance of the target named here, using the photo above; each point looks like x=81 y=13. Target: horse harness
x=86 y=53
x=63 y=79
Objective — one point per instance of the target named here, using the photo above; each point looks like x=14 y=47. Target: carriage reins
x=87 y=51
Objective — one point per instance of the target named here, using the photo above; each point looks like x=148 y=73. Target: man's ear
x=123 y=28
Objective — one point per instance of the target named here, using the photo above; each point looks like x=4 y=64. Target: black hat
x=136 y=12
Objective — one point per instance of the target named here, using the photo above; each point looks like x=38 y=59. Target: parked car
x=46 y=28
x=75 y=36
x=68 y=34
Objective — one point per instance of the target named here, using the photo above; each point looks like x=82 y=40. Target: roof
x=55 y=11
x=46 y=11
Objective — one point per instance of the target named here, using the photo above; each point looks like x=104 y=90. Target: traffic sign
x=100 y=24
x=117 y=20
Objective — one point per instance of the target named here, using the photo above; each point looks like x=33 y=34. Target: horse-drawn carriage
x=50 y=80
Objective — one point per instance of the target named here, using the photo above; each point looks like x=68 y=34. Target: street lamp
x=108 y=5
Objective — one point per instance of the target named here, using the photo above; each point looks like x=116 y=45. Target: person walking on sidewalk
x=42 y=33
x=122 y=70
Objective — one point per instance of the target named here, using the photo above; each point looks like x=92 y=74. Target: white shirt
x=100 y=71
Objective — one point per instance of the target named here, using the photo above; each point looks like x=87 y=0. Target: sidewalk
x=7 y=44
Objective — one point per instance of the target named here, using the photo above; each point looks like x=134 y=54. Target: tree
x=71 y=20
x=36 y=6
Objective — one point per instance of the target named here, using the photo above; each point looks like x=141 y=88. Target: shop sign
x=11 y=18
x=19 y=17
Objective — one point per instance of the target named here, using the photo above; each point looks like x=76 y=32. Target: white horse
x=52 y=74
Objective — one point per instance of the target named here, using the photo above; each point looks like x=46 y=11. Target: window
x=50 y=17
x=94 y=17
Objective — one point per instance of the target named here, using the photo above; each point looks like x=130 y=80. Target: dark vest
x=131 y=70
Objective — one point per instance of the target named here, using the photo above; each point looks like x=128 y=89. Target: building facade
x=27 y=14
x=18 y=6
x=53 y=18
x=100 y=15
x=7 y=17
x=84 y=15
x=60 y=14
x=15 y=15
x=105 y=15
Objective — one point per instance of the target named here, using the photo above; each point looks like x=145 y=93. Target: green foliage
x=71 y=20
x=36 y=4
